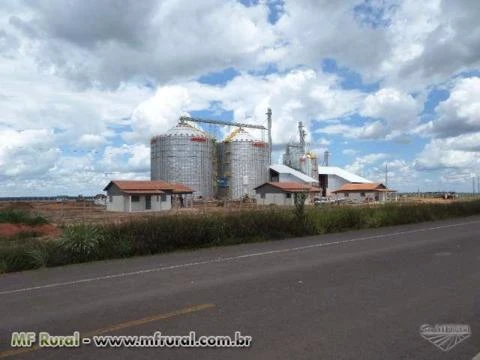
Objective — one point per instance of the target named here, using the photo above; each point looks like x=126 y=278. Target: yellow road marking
x=121 y=326
x=150 y=319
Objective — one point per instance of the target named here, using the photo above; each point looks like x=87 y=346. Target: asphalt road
x=355 y=295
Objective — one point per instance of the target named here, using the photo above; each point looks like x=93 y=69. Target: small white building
x=284 y=193
x=364 y=193
x=143 y=195
x=332 y=178
x=100 y=199
x=284 y=173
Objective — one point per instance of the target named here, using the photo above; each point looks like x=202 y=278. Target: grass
x=152 y=235
x=20 y=217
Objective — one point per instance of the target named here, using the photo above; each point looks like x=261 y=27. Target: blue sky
x=84 y=88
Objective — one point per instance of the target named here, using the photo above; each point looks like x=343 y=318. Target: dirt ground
x=68 y=212
x=428 y=200
x=45 y=230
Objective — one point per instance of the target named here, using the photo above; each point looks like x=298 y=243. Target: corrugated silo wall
x=245 y=158
x=186 y=160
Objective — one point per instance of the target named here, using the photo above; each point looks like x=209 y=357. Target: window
x=289 y=195
x=135 y=198
x=164 y=197
x=262 y=195
x=362 y=194
x=345 y=194
x=110 y=198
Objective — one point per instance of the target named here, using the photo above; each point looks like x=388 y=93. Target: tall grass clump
x=81 y=242
x=22 y=255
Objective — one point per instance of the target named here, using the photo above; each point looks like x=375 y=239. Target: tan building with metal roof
x=366 y=192
x=284 y=193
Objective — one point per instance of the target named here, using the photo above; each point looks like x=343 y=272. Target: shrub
x=22 y=256
x=81 y=242
x=115 y=243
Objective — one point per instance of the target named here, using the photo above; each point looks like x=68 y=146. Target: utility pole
x=473 y=185
x=386 y=175
x=269 y=128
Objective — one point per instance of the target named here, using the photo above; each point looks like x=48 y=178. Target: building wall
x=115 y=203
x=335 y=182
x=165 y=203
x=357 y=197
x=276 y=199
x=122 y=203
x=290 y=178
x=188 y=160
x=268 y=194
x=245 y=165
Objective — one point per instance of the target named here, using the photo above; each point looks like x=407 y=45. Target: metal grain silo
x=245 y=163
x=185 y=155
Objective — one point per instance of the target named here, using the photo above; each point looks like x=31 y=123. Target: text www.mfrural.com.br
x=46 y=340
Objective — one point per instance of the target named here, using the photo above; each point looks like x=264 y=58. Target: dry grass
x=72 y=212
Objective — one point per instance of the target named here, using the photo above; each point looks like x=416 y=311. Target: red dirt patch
x=9 y=230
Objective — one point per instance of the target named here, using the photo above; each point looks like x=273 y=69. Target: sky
x=85 y=84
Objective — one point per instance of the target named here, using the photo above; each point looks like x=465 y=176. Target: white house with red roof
x=145 y=195
x=366 y=192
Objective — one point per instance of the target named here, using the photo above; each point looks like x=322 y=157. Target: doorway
x=148 y=202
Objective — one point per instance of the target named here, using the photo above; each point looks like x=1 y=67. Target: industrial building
x=238 y=167
x=185 y=155
x=332 y=178
x=298 y=158
x=283 y=173
x=242 y=165
x=284 y=193
x=235 y=167
x=230 y=169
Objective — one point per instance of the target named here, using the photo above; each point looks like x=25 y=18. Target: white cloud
x=303 y=95
x=361 y=163
x=77 y=80
x=26 y=153
x=371 y=130
x=441 y=153
x=92 y=42
x=91 y=141
x=391 y=114
x=399 y=111
x=350 y=152
x=126 y=158
x=312 y=27
x=406 y=44
x=459 y=114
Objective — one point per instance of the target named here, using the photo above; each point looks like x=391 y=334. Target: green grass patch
x=21 y=217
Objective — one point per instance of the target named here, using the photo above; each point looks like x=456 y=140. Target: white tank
x=245 y=163
x=185 y=155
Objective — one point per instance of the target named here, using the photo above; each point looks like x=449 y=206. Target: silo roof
x=239 y=134
x=185 y=129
